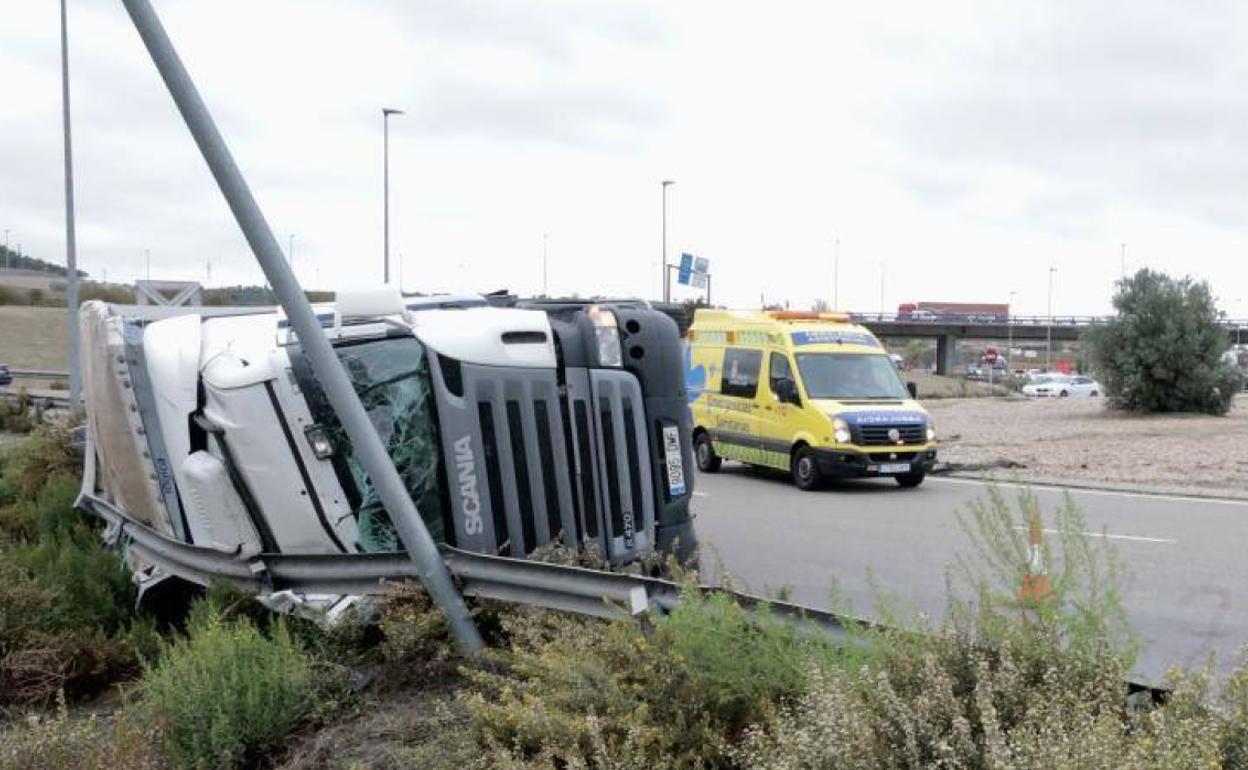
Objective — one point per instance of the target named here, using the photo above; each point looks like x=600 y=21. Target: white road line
x=1086 y=491
x=1137 y=538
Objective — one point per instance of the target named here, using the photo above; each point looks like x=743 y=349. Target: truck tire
x=704 y=454
x=804 y=467
x=910 y=480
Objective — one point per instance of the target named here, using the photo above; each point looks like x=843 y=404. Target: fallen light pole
x=328 y=370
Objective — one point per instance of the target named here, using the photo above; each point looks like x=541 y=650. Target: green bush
x=1163 y=351
x=226 y=694
x=574 y=692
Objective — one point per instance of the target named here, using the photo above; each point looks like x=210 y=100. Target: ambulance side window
x=740 y=375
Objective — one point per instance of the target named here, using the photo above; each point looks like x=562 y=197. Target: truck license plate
x=895 y=468
x=675 y=463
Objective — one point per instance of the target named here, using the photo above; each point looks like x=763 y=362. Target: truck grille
x=877 y=435
x=546 y=465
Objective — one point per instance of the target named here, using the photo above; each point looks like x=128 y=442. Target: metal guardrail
x=537 y=584
x=38 y=400
x=38 y=374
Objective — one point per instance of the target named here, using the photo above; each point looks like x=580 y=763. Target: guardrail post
x=325 y=365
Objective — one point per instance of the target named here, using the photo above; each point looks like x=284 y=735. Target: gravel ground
x=1079 y=441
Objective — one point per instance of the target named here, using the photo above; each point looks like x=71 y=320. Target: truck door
x=778 y=418
x=734 y=420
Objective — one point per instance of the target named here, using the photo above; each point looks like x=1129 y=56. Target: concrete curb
x=1234 y=495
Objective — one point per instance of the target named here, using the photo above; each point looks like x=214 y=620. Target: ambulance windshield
x=850 y=375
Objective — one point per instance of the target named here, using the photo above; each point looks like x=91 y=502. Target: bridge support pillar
x=946 y=354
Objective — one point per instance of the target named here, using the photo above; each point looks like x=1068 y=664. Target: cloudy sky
x=957 y=150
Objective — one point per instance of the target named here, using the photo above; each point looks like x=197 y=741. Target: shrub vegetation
x=1164 y=350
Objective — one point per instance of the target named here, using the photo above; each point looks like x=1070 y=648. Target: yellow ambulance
x=810 y=393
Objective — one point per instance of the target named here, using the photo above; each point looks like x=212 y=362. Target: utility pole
x=386 y=112
x=545 y=291
x=665 y=184
x=6 y=247
x=366 y=444
x=147 y=258
x=882 y=266
x=1048 y=343
x=71 y=242
x=836 y=275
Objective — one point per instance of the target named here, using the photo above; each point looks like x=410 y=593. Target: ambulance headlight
x=840 y=431
x=607 y=334
x=931 y=431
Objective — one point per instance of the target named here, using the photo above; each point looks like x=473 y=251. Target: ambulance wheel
x=704 y=452
x=804 y=467
x=910 y=480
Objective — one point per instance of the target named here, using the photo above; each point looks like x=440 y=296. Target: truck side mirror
x=913 y=388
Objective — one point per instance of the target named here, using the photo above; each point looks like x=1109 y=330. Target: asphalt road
x=1187 y=593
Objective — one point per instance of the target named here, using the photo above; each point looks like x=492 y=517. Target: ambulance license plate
x=675 y=463
x=894 y=468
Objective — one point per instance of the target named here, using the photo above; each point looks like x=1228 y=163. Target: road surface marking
x=1137 y=538
x=1086 y=491
x=700 y=494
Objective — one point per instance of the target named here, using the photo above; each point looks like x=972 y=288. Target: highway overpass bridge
x=948 y=329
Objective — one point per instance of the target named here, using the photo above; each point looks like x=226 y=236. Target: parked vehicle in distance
x=1062 y=386
x=6 y=376
x=831 y=405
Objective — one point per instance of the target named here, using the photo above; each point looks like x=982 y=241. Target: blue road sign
x=686 y=268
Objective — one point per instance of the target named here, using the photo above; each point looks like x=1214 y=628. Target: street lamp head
x=666 y=182
x=387 y=111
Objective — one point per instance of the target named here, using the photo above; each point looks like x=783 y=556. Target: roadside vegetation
x=1165 y=350
x=1003 y=680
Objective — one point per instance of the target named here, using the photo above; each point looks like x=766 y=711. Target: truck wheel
x=804 y=468
x=704 y=452
x=910 y=480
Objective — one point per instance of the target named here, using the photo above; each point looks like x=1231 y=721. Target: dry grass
x=34 y=337
x=936 y=386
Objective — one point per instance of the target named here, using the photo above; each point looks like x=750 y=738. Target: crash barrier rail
x=37 y=400
x=38 y=374
x=537 y=584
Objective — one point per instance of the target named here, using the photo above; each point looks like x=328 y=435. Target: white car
x=1062 y=386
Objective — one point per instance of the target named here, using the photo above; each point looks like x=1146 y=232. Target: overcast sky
x=956 y=149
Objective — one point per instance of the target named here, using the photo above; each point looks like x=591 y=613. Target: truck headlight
x=318 y=439
x=607 y=333
x=840 y=431
x=931 y=431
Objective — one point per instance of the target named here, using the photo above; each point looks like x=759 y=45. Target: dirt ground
x=1078 y=440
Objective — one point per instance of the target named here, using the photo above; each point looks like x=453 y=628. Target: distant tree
x=1164 y=350
x=914 y=353
x=821 y=306
x=36 y=296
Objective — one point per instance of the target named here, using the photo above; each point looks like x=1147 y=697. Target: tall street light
x=665 y=184
x=836 y=275
x=1048 y=356
x=386 y=112
x=545 y=292
x=71 y=245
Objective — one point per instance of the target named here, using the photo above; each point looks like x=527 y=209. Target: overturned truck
x=213 y=450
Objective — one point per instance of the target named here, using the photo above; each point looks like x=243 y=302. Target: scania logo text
x=469 y=500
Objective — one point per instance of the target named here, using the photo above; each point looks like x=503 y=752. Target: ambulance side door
x=780 y=413
x=734 y=418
